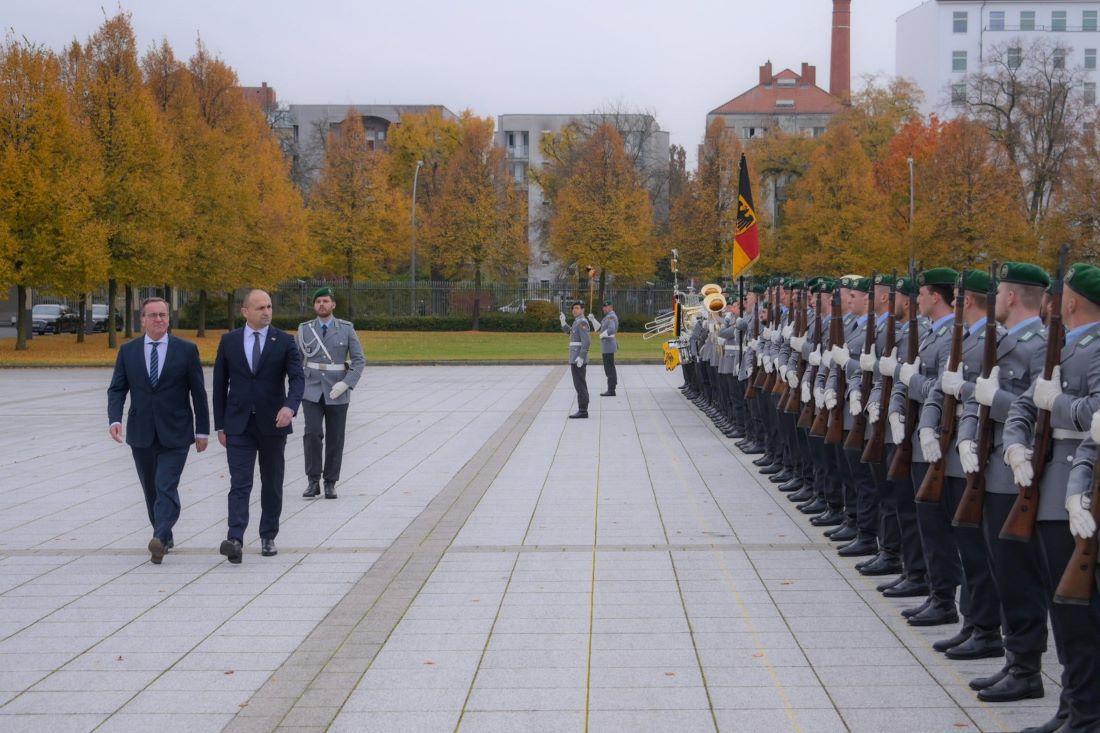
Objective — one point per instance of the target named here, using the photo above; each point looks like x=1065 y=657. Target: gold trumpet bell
x=715 y=302
x=710 y=289
x=665 y=323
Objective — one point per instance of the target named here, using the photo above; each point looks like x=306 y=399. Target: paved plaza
x=489 y=565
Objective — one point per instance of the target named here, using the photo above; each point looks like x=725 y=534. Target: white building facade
x=941 y=41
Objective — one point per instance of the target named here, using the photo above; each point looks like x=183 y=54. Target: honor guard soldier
x=579 y=341
x=334 y=362
x=607 y=328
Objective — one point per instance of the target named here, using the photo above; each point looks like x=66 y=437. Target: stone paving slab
x=489 y=565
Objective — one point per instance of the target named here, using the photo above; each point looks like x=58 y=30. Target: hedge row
x=498 y=322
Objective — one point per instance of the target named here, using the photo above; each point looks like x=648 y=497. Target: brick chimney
x=766 y=74
x=840 y=62
x=809 y=75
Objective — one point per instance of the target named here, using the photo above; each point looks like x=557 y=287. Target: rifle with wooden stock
x=761 y=375
x=781 y=387
x=858 y=432
x=969 y=511
x=806 y=418
x=875 y=451
x=750 y=384
x=902 y=461
x=834 y=435
x=794 y=394
x=931 y=488
x=1078 y=582
x=1020 y=524
x=775 y=320
x=820 y=426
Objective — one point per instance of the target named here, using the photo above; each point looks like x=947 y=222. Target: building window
x=1058 y=21
x=1090 y=58
x=1059 y=58
x=819 y=131
x=786 y=82
x=1088 y=20
x=545 y=284
x=519 y=172
x=958 y=60
x=1090 y=93
x=784 y=103
x=996 y=20
x=1027 y=20
x=959 y=21
x=748 y=133
x=1015 y=57
x=958 y=94
x=544 y=258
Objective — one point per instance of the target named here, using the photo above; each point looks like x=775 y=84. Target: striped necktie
x=154 y=364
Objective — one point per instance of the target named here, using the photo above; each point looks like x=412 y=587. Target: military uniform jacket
x=748 y=354
x=899 y=396
x=823 y=371
x=731 y=351
x=1084 y=463
x=339 y=346
x=579 y=340
x=713 y=326
x=934 y=350
x=609 y=326
x=1020 y=357
x=854 y=338
x=1070 y=416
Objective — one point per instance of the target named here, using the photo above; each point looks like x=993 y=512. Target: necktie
x=324 y=330
x=154 y=364
x=255 y=351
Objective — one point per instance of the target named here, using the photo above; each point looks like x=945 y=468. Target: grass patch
x=383 y=346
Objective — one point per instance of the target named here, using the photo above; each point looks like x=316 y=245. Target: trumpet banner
x=671 y=355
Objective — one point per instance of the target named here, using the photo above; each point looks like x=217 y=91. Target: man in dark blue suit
x=253 y=409
x=159 y=372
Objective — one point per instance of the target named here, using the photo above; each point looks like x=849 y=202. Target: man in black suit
x=253 y=409
x=159 y=372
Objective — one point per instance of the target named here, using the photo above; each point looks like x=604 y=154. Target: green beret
x=861 y=284
x=777 y=280
x=938 y=276
x=977 y=281
x=907 y=286
x=795 y=284
x=881 y=278
x=1023 y=273
x=1084 y=279
x=824 y=285
x=758 y=288
x=323 y=292
x=607 y=302
x=576 y=303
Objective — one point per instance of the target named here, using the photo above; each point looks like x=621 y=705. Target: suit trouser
x=322 y=418
x=984 y=607
x=889 y=530
x=1076 y=630
x=580 y=383
x=241 y=451
x=864 y=492
x=158 y=470
x=941 y=555
x=1019 y=574
x=912 y=552
x=609 y=371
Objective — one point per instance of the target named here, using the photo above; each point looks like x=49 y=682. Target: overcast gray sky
x=678 y=58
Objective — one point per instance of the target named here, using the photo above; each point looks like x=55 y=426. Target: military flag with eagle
x=746 y=240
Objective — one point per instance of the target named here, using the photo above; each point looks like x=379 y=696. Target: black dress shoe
x=793 y=486
x=736 y=433
x=762 y=461
x=330 y=490
x=232 y=551
x=846 y=534
x=156 y=551
x=579 y=415
x=267 y=548
x=978 y=646
x=782 y=477
x=937 y=614
x=816 y=505
x=1052 y=725
x=831 y=518
x=881 y=565
x=753 y=449
x=910 y=612
x=907 y=589
x=1011 y=687
x=860 y=547
x=803 y=496
x=314 y=489
x=864 y=563
x=608 y=393
x=772 y=469
x=943 y=645
x=981 y=683
x=890 y=583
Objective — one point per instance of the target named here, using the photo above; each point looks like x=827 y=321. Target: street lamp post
x=412 y=295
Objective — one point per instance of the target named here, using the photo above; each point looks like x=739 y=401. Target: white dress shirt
x=162 y=354
x=249 y=339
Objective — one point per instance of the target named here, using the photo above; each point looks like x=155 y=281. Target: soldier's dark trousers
x=984 y=607
x=807 y=469
x=846 y=496
x=158 y=470
x=324 y=420
x=580 y=384
x=941 y=556
x=609 y=371
x=889 y=531
x=1019 y=575
x=1076 y=631
x=912 y=552
x=724 y=396
x=737 y=400
x=865 y=494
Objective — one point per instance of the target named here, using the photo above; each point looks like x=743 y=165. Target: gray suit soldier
x=333 y=362
x=579 y=341
x=606 y=329
x=1072 y=395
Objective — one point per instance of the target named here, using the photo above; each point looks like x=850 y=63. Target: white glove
x=606 y=335
x=855 y=403
x=1019 y=459
x=897 y=427
x=1081 y=522
x=830 y=399
x=873 y=413
x=1048 y=390
x=561 y=317
x=783 y=372
x=792 y=378
x=759 y=359
x=826 y=357
x=968 y=455
x=766 y=334
x=788 y=330
x=777 y=337
x=815 y=358
x=797 y=342
x=579 y=361
x=819 y=397
x=908 y=370
x=985 y=390
x=337 y=390
x=841 y=355
x=593 y=321
x=952 y=382
x=929 y=445
x=888 y=365
x=1095 y=428
x=867 y=362
x=769 y=364
x=806 y=392
x=754 y=344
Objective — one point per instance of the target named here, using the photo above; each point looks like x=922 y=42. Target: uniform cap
x=860 y=284
x=1023 y=273
x=1084 y=279
x=883 y=278
x=938 y=276
x=907 y=286
x=323 y=292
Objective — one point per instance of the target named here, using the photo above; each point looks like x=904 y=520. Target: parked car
x=516 y=306
x=99 y=318
x=53 y=318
